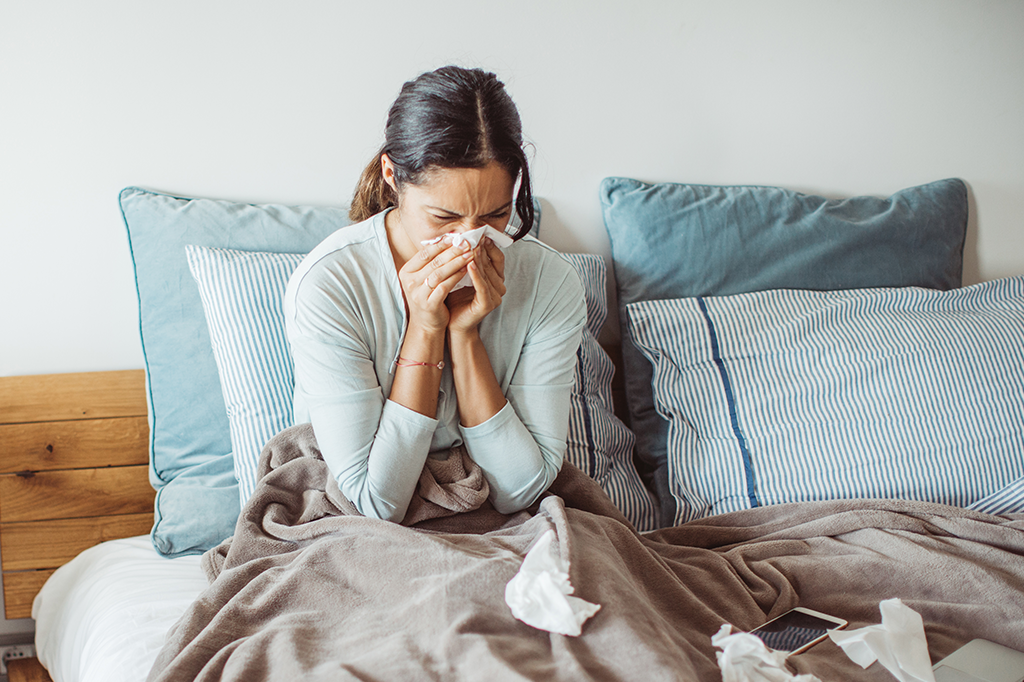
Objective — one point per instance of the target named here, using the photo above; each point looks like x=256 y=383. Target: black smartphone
x=797 y=630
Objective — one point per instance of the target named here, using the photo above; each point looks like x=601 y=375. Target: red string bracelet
x=402 y=362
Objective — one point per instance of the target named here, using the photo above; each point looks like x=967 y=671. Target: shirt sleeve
x=521 y=448
x=375 y=448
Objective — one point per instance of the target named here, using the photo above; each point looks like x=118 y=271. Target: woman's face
x=449 y=200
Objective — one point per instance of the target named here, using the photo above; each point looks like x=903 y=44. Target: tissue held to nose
x=540 y=594
x=472 y=237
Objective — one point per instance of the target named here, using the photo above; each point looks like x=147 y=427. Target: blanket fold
x=309 y=589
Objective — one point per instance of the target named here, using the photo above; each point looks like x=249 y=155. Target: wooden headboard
x=74 y=452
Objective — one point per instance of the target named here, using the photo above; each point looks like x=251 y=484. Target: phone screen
x=792 y=630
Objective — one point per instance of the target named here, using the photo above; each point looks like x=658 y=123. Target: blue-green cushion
x=190 y=442
x=674 y=240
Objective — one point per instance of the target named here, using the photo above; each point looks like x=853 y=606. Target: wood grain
x=49 y=544
x=44 y=446
x=27 y=670
x=74 y=472
x=75 y=493
x=85 y=395
x=19 y=591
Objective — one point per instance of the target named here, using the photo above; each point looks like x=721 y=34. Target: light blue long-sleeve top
x=346 y=321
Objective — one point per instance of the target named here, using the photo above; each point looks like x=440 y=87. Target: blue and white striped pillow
x=242 y=295
x=789 y=395
x=599 y=443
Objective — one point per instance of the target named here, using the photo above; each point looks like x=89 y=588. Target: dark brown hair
x=448 y=118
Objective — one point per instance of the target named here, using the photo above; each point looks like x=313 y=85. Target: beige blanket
x=309 y=590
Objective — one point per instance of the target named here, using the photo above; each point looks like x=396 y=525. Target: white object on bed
x=103 y=616
x=540 y=594
x=745 y=658
x=898 y=643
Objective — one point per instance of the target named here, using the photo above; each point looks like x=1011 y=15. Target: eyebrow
x=459 y=215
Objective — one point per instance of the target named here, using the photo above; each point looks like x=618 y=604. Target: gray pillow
x=674 y=240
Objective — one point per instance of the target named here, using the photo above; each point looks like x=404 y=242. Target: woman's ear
x=387 y=169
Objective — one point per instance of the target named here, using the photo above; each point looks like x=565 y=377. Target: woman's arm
x=426 y=279
x=471 y=368
x=374 y=446
x=519 y=438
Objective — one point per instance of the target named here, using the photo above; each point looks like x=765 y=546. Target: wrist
x=463 y=338
x=423 y=345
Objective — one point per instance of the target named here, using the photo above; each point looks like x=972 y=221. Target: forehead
x=465 y=191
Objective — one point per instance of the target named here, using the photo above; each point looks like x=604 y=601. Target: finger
x=428 y=253
x=496 y=256
x=481 y=287
x=446 y=264
x=443 y=287
x=430 y=274
x=490 y=271
x=486 y=294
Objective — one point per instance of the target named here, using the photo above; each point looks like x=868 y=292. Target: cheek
x=421 y=229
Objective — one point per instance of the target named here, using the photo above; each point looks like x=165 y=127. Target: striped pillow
x=599 y=443
x=242 y=295
x=790 y=395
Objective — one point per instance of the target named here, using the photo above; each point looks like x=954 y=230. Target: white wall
x=285 y=102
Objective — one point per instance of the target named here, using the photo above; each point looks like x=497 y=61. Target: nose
x=469 y=224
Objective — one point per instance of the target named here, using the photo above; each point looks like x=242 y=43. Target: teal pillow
x=672 y=240
x=190 y=443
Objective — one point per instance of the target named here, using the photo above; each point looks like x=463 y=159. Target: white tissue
x=745 y=658
x=898 y=643
x=540 y=593
x=472 y=237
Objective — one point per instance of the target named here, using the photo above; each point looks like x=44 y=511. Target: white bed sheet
x=103 y=616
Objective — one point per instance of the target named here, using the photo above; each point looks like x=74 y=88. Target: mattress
x=103 y=616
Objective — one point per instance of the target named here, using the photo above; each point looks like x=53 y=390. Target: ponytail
x=373 y=194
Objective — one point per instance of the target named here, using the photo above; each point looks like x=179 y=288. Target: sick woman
x=434 y=327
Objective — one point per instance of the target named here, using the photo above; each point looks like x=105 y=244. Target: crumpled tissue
x=898 y=643
x=472 y=237
x=540 y=594
x=745 y=658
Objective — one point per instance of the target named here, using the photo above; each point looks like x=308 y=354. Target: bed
x=814 y=413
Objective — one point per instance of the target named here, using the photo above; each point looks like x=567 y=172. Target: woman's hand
x=427 y=279
x=469 y=306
